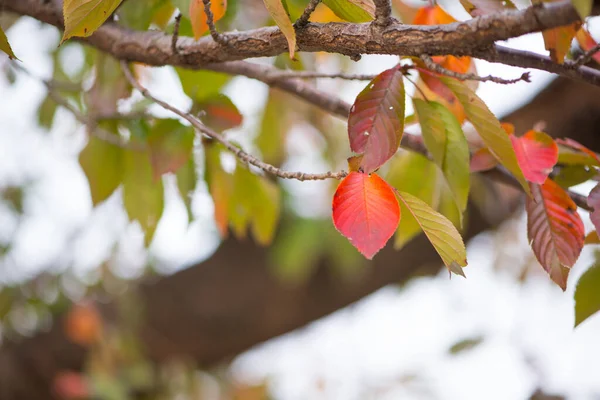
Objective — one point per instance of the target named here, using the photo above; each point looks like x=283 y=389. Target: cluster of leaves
x=366 y=208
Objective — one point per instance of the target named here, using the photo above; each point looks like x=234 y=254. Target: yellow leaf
x=5 y=46
x=199 y=18
x=282 y=19
x=82 y=18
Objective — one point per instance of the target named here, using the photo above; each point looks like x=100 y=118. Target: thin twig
x=175 y=34
x=210 y=21
x=310 y=8
x=283 y=74
x=383 y=12
x=239 y=153
x=435 y=67
x=586 y=57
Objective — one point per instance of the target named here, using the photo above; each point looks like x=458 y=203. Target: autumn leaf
x=478 y=8
x=282 y=19
x=558 y=41
x=352 y=10
x=445 y=140
x=143 y=196
x=432 y=15
x=219 y=113
x=587 y=295
x=415 y=174
x=482 y=160
x=592 y=238
x=5 y=46
x=440 y=231
x=555 y=230
x=587 y=43
x=220 y=187
x=170 y=145
x=198 y=15
x=537 y=154
x=102 y=164
x=572 y=152
x=489 y=128
x=83 y=324
x=376 y=120
x=82 y=18
x=366 y=211
x=583 y=7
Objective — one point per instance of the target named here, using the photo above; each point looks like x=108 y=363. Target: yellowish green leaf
x=439 y=230
x=82 y=18
x=282 y=19
x=352 y=10
x=583 y=7
x=170 y=144
x=143 y=196
x=587 y=294
x=220 y=186
x=489 y=128
x=102 y=164
x=5 y=46
x=187 y=177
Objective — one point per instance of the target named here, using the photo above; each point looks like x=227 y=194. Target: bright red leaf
x=555 y=230
x=366 y=211
x=593 y=201
x=537 y=154
x=376 y=120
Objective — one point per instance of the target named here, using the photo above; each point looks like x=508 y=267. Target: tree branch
x=383 y=12
x=461 y=38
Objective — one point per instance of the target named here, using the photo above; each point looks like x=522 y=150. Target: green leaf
x=187 y=178
x=170 y=144
x=583 y=7
x=201 y=85
x=587 y=294
x=571 y=175
x=439 y=230
x=82 y=18
x=352 y=10
x=266 y=211
x=5 y=46
x=183 y=6
x=139 y=14
x=46 y=112
x=446 y=141
x=282 y=19
x=273 y=128
x=220 y=186
x=143 y=197
x=489 y=128
x=415 y=174
x=102 y=164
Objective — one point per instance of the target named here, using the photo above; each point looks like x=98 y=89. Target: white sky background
x=391 y=345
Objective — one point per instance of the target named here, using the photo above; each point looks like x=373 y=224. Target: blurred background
x=72 y=269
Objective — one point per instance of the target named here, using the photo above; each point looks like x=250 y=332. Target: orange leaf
x=432 y=15
x=558 y=41
x=198 y=16
x=366 y=211
x=555 y=230
x=587 y=43
x=537 y=153
x=83 y=324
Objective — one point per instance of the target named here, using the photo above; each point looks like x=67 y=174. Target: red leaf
x=593 y=201
x=537 y=153
x=376 y=120
x=554 y=229
x=366 y=211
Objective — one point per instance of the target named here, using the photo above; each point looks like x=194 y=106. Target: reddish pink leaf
x=537 y=153
x=593 y=201
x=376 y=120
x=554 y=229
x=482 y=160
x=366 y=211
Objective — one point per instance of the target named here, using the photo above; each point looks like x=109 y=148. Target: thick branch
x=464 y=38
